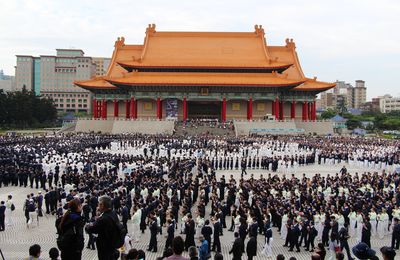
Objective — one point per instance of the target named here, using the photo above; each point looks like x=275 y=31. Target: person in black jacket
x=105 y=227
x=206 y=231
x=153 y=235
x=366 y=232
x=237 y=249
x=243 y=231
x=295 y=233
x=251 y=248
x=190 y=231
x=312 y=234
x=217 y=231
x=70 y=230
x=343 y=237
x=396 y=234
x=170 y=232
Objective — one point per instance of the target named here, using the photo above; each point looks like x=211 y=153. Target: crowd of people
x=117 y=187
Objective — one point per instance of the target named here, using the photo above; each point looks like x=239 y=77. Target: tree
x=24 y=109
x=353 y=123
x=328 y=114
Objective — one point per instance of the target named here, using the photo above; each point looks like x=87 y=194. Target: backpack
x=118 y=238
x=31 y=207
x=12 y=207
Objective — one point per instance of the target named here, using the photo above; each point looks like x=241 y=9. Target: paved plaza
x=15 y=241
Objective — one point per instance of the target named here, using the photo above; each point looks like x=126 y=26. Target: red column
x=250 y=109
x=305 y=111
x=223 y=116
x=273 y=107
x=277 y=112
x=293 y=110
x=104 y=109
x=159 y=108
x=127 y=107
x=115 y=108
x=281 y=116
x=94 y=108
x=314 y=105
x=184 y=109
x=133 y=113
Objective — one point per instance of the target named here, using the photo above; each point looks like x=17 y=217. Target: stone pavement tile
x=16 y=240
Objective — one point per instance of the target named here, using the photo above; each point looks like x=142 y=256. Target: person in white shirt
x=136 y=218
x=9 y=212
x=372 y=221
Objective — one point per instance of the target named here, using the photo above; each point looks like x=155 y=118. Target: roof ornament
x=290 y=43
x=119 y=42
x=259 y=30
x=151 y=29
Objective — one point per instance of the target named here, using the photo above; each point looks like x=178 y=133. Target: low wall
x=112 y=126
x=92 y=125
x=283 y=127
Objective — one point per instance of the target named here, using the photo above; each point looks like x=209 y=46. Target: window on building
x=68 y=100
x=72 y=105
x=61 y=105
x=68 y=105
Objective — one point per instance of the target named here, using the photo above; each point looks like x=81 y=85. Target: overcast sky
x=341 y=39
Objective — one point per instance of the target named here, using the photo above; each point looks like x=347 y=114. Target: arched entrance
x=204 y=109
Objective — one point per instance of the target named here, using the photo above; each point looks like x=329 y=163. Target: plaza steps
x=187 y=129
x=121 y=126
x=288 y=127
x=67 y=128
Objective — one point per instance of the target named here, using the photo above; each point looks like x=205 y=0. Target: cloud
x=335 y=39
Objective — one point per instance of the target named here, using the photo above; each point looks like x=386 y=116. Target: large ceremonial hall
x=205 y=75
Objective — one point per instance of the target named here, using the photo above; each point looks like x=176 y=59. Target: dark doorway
x=204 y=110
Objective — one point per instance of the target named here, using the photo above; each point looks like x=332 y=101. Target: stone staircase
x=204 y=128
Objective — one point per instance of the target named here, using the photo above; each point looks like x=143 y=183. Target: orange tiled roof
x=314 y=85
x=97 y=83
x=206 y=50
x=204 y=79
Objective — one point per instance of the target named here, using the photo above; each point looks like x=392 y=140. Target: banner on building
x=171 y=108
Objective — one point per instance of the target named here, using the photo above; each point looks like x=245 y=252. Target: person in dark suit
x=312 y=234
x=153 y=235
x=343 y=237
x=396 y=234
x=366 y=232
x=104 y=226
x=206 y=231
x=243 y=165
x=217 y=231
x=2 y=215
x=251 y=248
x=170 y=232
x=190 y=231
x=294 y=240
x=243 y=231
x=237 y=249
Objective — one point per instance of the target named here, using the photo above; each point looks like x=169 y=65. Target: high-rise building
x=53 y=77
x=6 y=82
x=388 y=103
x=102 y=65
x=359 y=94
x=344 y=94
